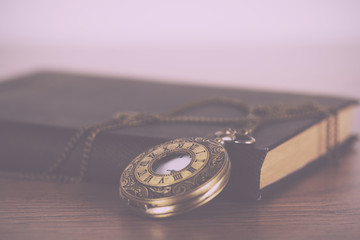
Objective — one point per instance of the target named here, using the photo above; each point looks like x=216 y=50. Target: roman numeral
x=142 y=173
x=152 y=155
x=197 y=160
x=180 y=145
x=193 y=146
x=166 y=148
x=191 y=169
x=200 y=152
x=177 y=176
x=161 y=180
x=143 y=164
x=148 y=179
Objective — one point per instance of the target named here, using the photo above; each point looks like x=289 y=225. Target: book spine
x=246 y=163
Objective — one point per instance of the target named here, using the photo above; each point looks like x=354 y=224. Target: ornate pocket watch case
x=175 y=177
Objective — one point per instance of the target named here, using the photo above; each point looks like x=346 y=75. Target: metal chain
x=253 y=118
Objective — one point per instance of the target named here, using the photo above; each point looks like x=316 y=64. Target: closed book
x=40 y=112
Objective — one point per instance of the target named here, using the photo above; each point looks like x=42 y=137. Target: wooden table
x=325 y=204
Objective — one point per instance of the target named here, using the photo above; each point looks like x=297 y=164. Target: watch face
x=170 y=163
x=175 y=176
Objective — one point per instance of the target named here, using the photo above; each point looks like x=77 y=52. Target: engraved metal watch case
x=199 y=169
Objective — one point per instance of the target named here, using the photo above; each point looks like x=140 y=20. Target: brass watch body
x=162 y=195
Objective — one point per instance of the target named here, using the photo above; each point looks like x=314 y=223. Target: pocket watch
x=175 y=176
x=178 y=175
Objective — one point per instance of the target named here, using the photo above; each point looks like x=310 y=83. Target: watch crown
x=225 y=135
x=242 y=136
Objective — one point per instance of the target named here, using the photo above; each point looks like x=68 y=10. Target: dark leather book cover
x=40 y=112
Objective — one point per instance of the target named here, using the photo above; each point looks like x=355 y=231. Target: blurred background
x=308 y=46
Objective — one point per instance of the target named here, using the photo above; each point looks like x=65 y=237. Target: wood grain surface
x=324 y=204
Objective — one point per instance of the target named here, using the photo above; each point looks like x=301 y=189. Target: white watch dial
x=173 y=164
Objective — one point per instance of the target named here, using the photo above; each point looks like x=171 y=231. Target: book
x=40 y=112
